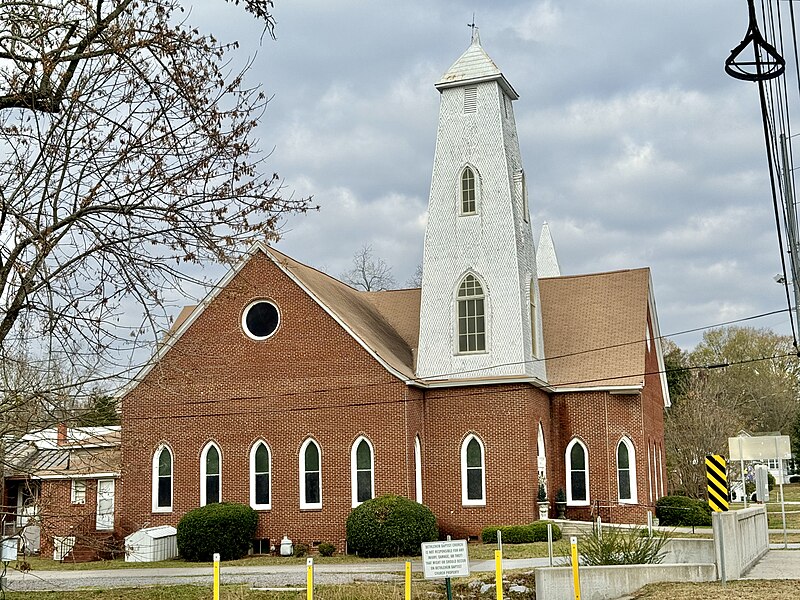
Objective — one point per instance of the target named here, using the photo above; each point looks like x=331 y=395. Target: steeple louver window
x=470 y=99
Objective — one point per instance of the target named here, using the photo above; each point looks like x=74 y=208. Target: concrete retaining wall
x=741 y=538
x=605 y=583
x=688 y=550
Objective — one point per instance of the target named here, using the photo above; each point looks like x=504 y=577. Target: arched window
x=210 y=475
x=534 y=321
x=310 y=475
x=418 y=469
x=473 y=475
x=577 y=461
x=260 y=477
x=162 y=479
x=471 y=320
x=468 y=192
x=361 y=471
x=541 y=458
x=626 y=471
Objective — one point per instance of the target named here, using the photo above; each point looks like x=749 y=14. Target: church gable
x=224 y=340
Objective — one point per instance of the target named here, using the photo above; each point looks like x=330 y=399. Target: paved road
x=263 y=576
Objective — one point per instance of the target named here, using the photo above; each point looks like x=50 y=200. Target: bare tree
x=369 y=273
x=750 y=382
x=415 y=280
x=126 y=152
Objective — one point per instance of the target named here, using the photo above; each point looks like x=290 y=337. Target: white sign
x=761 y=447
x=445 y=559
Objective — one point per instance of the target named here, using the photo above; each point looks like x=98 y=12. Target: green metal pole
x=448 y=588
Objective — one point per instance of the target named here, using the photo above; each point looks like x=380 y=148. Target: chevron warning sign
x=717 y=478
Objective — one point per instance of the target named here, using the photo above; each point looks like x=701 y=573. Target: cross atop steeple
x=476 y=38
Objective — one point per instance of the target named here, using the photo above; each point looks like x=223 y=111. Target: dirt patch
x=781 y=589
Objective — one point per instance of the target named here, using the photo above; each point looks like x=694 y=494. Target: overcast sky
x=638 y=149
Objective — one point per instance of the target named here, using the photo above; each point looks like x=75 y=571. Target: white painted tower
x=480 y=312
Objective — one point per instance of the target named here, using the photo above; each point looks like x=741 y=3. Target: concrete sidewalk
x=776 y=564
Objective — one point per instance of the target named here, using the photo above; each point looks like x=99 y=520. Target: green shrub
x=683 y=512
x=794 y=479
x=390 y=526
x=520 y=534
x=326 y=549
x=300 y=550
x=770 y=481
x=224 y=527
x=613 y=546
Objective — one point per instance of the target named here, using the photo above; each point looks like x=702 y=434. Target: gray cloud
x=639 y=149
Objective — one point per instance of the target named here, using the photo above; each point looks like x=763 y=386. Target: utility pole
x=791 y=223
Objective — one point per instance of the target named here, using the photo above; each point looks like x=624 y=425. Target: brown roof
x=594 y=325
x=594 y=328
x=372 y=317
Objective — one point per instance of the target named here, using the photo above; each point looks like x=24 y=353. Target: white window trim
x=634 y=499
x=418 y=469
x=302 y=470
x=464 y=500
x=477 y=180
x=203 y=473
x=354 y=470
x=649 y=475
x=154 y=477
x=568 y=463
x=247 y=332
x=73 y=492
x=253 y=449
x=486 y=325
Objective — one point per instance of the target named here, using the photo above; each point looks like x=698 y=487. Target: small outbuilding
x=152 y=544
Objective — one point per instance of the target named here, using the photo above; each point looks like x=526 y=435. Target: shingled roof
x=594 y=328
x=594 y=325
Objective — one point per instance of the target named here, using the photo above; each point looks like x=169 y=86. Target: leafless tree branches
x=126 y=152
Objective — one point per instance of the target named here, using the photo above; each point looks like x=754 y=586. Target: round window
x=260 y=319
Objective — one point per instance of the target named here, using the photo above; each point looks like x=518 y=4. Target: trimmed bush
x=681 y=511
x=300 y=550
x=224 y=527
x=326 y=549
x=794 y=479
x=520 y=534
x=390 y=526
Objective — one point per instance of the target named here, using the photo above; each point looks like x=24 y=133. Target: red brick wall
x=505 y=418
x=59 y=517
x=311 y=378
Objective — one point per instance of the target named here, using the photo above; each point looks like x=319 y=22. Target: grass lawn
x=361 y=591
x=757 y=588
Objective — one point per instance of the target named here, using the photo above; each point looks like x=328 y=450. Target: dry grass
x=772 y=589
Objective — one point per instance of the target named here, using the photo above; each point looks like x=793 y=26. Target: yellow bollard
x=309 y=579
x=498 y=573
x=408 y=580
x=576 y=582
x=216 y=576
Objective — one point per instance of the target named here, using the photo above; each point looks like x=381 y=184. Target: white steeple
x=479 y=315
x=546 y=257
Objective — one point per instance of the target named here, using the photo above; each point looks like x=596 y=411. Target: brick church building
x=290 y=391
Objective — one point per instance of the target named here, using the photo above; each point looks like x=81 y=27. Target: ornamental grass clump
x=614 y=546
x=390 y=526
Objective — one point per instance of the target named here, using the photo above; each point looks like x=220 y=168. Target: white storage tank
x=152 y=544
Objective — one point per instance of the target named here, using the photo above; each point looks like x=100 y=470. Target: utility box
x=152 y=544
